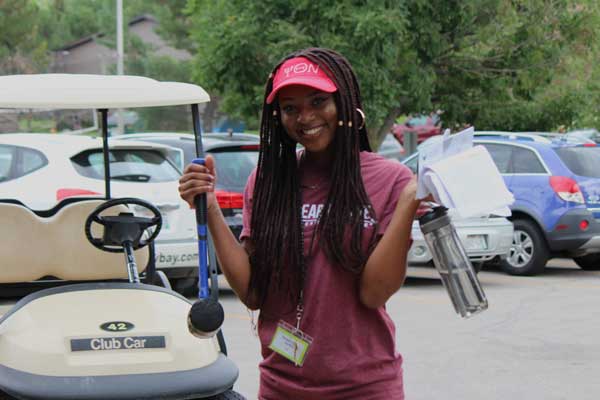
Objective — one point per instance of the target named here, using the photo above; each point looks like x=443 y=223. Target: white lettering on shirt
x=312 y=212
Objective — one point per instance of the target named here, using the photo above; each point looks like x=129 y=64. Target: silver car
x=484 y=238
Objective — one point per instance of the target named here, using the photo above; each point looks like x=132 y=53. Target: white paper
x=435 y=150
x=462 y=178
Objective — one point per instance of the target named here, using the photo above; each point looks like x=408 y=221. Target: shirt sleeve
x=402 y=176
x=247 y=209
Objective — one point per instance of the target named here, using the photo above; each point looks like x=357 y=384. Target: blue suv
x=556 y=185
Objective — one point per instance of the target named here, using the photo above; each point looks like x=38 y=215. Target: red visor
x=300 y=71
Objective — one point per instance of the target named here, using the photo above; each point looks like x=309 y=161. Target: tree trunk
x=388 y=122
x=386 y=127
x=208 y=116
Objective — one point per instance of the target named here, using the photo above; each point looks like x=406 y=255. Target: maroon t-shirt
x=353 y=352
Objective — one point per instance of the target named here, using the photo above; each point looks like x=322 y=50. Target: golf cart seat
x=55 y=245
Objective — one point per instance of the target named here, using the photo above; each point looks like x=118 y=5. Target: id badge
x=290 y=343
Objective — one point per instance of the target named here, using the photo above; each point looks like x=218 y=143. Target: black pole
x=197 y=131
x=104 y=119
x=206 y=315
x=201 y=211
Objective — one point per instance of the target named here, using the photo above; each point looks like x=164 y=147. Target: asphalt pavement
x=539 y=339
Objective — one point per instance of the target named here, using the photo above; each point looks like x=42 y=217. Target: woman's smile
x=314 y=131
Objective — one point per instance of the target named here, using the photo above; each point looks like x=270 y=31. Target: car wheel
x=477 y=266
x=160 y=279
x=228 y=395
x=591 y=262
x=187 y=287
x=529 y=253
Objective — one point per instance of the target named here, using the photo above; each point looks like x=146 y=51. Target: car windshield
x=233 y=168
x=590 y=134
x=132 y=165
x=581 y=160
x=389 y=144
x=418 y=121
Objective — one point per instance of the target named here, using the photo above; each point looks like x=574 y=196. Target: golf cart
x=108 y=336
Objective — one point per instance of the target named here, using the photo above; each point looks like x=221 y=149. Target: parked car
x=40 y=170
x=424 y=126
x=391 y=148
x=34 y=169
x=588 y=134
x=235 y=155
x=556 y=185
x=210 y=141
x=544 y=137
x=485 y=238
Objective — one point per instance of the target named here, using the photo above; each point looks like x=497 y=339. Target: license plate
x=476 y=242
x=118 y=343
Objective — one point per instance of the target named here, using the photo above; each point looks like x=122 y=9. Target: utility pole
x=121 y=123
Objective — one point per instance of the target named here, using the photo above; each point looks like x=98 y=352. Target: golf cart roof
x=81 y=91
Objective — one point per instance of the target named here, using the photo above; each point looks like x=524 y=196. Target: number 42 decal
x=117 y=326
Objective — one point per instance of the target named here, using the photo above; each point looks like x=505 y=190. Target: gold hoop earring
x=362 y=114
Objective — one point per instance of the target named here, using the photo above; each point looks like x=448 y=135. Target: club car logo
x=117 y=326
x=118 y=343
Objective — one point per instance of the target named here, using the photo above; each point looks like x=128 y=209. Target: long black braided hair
x=276 y=257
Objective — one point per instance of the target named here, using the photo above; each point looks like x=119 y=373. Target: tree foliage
x=239 y=42
x=21 y=50
x=497 y=64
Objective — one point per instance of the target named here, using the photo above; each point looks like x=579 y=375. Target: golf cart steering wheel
x=124 y=227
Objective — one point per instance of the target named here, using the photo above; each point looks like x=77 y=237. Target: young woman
x=325 y=238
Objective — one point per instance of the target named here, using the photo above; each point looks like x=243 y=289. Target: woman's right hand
x=198 y=179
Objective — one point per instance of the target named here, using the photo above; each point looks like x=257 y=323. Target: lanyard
x=300 y=305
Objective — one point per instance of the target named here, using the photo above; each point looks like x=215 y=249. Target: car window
x=7 y=155
x=525 y=161
x=389 y=144
x=417 y=121
x=132 y=165
x=31 y=160
x=413 y=164
x=179 y=158
x=501 y=155
x=16 y=162
x=582 y=161
x=233 y=168
x=176 y=154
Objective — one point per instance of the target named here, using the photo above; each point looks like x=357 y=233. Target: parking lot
x=539 y=339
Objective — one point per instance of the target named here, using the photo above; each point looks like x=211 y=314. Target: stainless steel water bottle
x=453 y=264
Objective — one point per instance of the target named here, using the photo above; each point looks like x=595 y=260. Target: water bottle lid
x=438 y=214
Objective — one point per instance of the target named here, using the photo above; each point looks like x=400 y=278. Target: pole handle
x=201 y=220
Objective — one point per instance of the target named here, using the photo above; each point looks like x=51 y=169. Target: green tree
x=239 y=41
x=65 y=21
x=498 y=70
x=142 y=61
x=498 y=64
x=21 y=48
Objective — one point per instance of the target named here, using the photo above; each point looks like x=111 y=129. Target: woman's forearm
x=385 y=270
x=232 y=256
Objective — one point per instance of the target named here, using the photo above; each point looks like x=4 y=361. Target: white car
x=40 y=170
x=484 y=238
x=391 y=148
